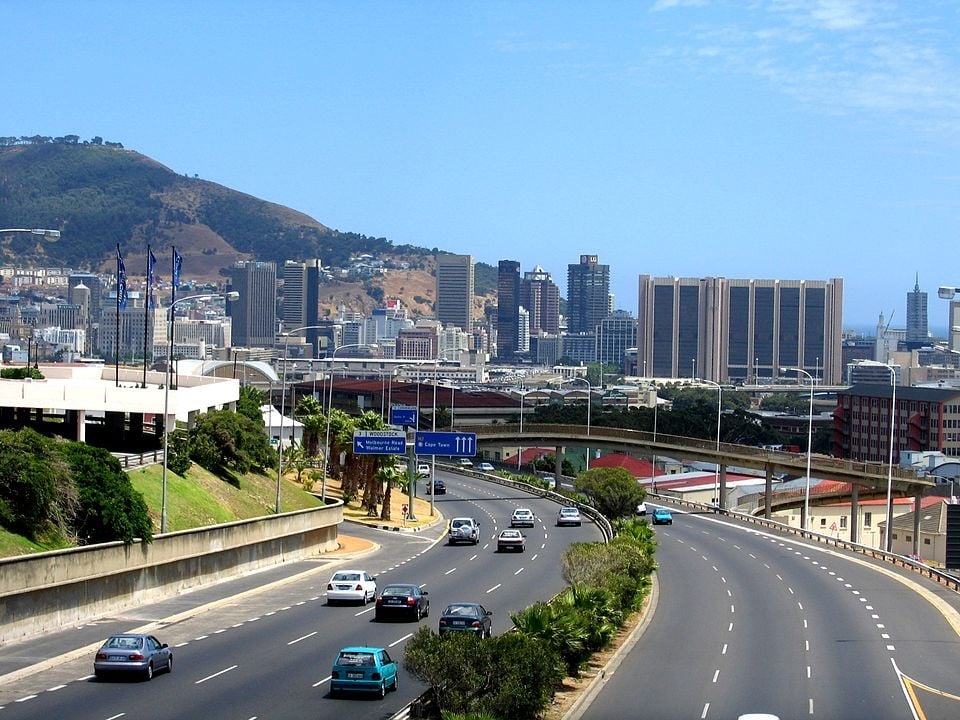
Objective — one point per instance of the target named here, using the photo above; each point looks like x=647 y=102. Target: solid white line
x=304 y=637
x=216 y=674
x=397 y=642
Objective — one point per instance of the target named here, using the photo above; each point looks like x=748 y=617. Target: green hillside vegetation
x=100 y=194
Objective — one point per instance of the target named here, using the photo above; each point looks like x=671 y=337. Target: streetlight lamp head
x=946 y=292
x=48 y=235
x=232 y=296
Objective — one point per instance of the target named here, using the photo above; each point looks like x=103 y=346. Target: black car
x=439 y=487
x=402 y=601
x=466 y=617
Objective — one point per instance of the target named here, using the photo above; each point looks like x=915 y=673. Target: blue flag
x=177 y=266
x=151 y=264
x=121 y=281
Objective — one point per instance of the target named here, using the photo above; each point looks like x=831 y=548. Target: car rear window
x=347 y=577
x=356 y=658
x=404 y=590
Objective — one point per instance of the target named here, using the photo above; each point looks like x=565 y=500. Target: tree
x=388 y=476
x=310 y=414
x=37 y=495
x=110 y=508
x=224 y=442
x=612 y=491
x=250 y=402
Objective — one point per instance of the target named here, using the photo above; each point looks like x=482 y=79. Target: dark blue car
x=363 y=669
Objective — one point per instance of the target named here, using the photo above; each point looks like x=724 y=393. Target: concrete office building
x=541 y=297
x=731 y=330
x=455 y=291
x=588 y=294
x=616 y=334
x=254 y=313
x=508 y=309
x=301 y=298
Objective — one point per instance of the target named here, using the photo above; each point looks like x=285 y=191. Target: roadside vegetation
x=514 y=676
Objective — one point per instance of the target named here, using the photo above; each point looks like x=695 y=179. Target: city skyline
x=815 y=138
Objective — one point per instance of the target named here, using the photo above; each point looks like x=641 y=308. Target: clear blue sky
x=792 y=139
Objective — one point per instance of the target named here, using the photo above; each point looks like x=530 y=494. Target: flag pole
x=146 y=311
x=121 y=289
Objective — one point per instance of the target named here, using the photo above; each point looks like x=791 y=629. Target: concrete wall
x=50 y=590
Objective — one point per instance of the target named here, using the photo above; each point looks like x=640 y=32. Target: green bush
x=509 y=676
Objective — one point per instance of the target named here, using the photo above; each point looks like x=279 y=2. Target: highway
x=747 y=620
x=268 y=654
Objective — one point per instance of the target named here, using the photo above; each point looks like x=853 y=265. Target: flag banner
x=177 y=266
x=121 y=281
x=151 y=264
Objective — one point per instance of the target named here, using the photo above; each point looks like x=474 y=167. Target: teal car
x=662 y=516
x=362 y=669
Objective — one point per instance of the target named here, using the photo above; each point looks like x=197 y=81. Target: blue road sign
x=403 y=415
x=379 y=442
x=457 y=444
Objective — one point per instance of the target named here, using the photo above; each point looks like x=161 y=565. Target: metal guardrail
x=942 y=578
x=133 y=460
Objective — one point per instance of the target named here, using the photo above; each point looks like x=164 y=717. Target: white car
x=423 y=469
x=522 y=517
x=642 y=509
x=485 y=467
x=465 y=462
x=351 y=586
x=569 y=516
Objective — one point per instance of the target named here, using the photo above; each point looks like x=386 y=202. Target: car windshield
x=399 y=590
x=461 y=610
x=569 y=511
x=346 y=577
x=356 y=658
x=124 y=643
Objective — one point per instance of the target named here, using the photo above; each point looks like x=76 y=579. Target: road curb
x=582 y=703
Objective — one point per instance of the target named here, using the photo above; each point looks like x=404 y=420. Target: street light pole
x=589 y=403
x=716 y=477
x=166 y=393
x=888 y=540
x=806 y=498
x=48 y=235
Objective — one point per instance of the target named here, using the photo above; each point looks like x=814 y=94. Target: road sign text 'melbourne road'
x=379 y=442
x=456 y=444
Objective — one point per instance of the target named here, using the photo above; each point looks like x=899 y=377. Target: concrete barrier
x=48 y=591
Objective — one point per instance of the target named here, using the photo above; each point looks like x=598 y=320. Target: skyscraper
x=541 y=297
x=454 y=305
x=301 y=298
x=917 y=330
x=727 y=330
x=254 y=313
x=588 y=294
x=508 y=308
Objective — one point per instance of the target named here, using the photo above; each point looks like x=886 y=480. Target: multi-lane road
x=748 y=620
x=745 y=620
x=268 y=654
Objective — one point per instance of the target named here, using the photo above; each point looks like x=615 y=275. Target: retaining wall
x=47 y=591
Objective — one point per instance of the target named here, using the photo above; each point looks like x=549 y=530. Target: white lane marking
x=404 y=638
x=321 y=682
x=55 y=688
x=472 y=557
x=24 y=699
x=704 y=713
x=202 y=637
x=451 y=570
x=724 y=651
x=716 y=674
x=302 y=637
x=114 y=717
x=216 y=674
x=495 y=587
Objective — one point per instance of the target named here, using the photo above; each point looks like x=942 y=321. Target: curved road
x=268 y=654
x=747 y=620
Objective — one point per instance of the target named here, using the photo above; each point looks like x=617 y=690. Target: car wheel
x=396 y=682
x=383 y=689
x=170 y=663
x=419 y=614
x=148 y=673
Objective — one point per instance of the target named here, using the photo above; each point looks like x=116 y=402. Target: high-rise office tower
x=541 y=297
x=94 y=293
x=508 y=308
x=301 y=298
x=917 y=329
x=254 y=313
x=728 y=330
x=616 y=334
x=588 y=294
x=454 y=305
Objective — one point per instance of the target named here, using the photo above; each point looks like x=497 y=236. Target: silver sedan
x=139 y=654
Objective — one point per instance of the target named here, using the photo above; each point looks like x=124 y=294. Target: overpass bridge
x=868 y=479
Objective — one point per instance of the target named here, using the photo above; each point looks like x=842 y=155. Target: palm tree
x=561 y=627
x=389 y=475
x=310 y=413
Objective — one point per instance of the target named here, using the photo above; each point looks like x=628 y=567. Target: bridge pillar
x=723 y=486
x=854 y=511
x=917 y=509
x=768 y=493
x=558 y=464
